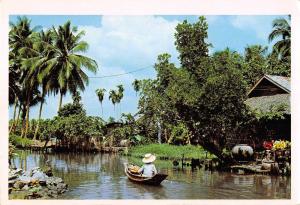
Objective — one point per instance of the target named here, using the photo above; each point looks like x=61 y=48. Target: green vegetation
x=275 y=112
x=44 y=62
x=166 y=151
x=282 y=30
x=206 y=93
x=200 y=102
x=100 y=93
x=116 y=96
x=19 y=141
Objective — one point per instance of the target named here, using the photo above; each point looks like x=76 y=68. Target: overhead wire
x=120 y=74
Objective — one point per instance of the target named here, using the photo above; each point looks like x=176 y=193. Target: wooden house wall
x=266 y=88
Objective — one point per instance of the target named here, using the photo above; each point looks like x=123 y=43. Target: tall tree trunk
x=38 y=123
x=166 y=135
x=115 y=110
x=60 y=101
x=14 y=118
x=27 y=122
x=120 y=110
x=102 y=109
x=23 y=121
x=27 y=117
x=18 y=118
x=159 y=132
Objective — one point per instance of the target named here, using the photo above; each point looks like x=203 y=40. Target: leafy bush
x=124 y=132
x=75 y=131
x=46 y=130
x=137 y=140
x=179 y=135
x=71 y=109
x=75 y=108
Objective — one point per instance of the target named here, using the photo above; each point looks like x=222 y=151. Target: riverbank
x=34 y=184
x=20 y=142
x=162 y=151
x=167 y=151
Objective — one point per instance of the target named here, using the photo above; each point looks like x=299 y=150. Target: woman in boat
x=148 y=169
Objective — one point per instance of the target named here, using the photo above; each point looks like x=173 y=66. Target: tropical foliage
x=100 y=94
x=201 y=101
x=44 y=62
x=282 y=33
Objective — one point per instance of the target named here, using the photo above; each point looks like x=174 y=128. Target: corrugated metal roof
x=265 y=103
x=281 y=81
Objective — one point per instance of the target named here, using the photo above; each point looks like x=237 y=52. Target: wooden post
x=182 y=161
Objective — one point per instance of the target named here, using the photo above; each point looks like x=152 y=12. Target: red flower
x=267 y=145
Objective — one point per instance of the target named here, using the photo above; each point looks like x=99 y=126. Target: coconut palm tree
x=136 y=86
x=37 y=63
x=20 y=34
x=253 y=50
x=100 y=93
x=14 y=77
x=14 y=87
x=282 y=31
x=27 y=99
x=113 y=96
x=20 y=37
x=120 y=95
x=66 y=65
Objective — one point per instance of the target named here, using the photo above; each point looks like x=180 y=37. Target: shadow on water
x=101 y=176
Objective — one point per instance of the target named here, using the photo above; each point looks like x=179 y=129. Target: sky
x=121 y=44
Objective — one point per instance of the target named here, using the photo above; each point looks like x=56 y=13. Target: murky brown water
x=101 y=176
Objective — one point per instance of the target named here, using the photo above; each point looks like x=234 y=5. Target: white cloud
x=122 y=44
x=132 y=41
x=259 y=24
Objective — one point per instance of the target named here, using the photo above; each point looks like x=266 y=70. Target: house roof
x=280 y=81
x=265 y=103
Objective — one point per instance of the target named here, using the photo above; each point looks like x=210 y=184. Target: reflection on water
x=101 y=176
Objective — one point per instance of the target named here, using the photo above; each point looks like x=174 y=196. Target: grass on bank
x=19 y=141
x=167 y=151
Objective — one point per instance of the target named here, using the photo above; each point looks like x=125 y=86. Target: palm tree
x=113 y=96
x=66 y=65
x=27 y=99
x=14 y=77
x=37 y=63
x=20 y=36
x=14 y=87
x=281 y=30
x=255 y=50
x=33 y=66
x=136 y=86
x=120 y=95
x=100 y=93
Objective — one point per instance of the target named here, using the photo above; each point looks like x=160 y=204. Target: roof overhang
x=280 y=81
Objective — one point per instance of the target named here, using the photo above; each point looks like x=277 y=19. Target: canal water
x=101 y=176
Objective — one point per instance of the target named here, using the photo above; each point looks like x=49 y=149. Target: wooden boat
x=155 y=180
